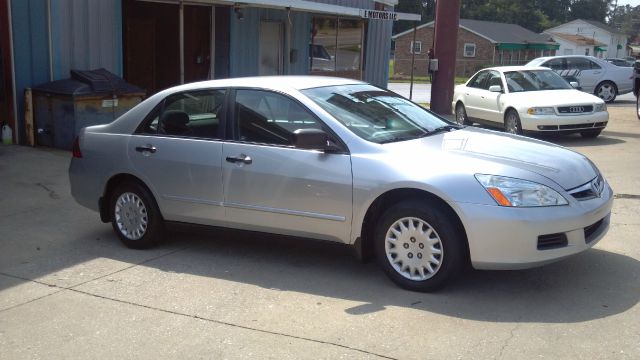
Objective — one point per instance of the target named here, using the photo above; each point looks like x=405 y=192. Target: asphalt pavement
x=69 y=289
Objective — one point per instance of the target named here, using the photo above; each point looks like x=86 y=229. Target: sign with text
x=378 y=15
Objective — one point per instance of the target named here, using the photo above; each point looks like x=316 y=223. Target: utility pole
x=445 y=43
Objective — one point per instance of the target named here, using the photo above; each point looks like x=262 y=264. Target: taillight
x=76 y=148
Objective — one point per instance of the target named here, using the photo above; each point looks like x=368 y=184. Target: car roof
x=568 y=56
x=516 y=68
x=284 y=82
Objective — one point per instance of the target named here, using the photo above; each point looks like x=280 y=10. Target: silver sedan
x=340 y=160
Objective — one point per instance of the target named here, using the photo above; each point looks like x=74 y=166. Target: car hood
x=491 y=152
x=553 y=98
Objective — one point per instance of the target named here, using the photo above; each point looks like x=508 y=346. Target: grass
x=417 y=79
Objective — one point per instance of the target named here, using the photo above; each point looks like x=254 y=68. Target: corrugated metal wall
x=86 y=35
x=30 y=51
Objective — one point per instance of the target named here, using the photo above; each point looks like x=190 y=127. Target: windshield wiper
x=443 y=129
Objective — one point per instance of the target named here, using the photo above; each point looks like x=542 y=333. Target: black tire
x=448 y=240
x=606 y=91
x=590 y=134
x=135 y=216
x=512 y=123
x=461 y=115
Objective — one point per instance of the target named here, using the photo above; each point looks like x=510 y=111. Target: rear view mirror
x=574 y=84
x=495 y=88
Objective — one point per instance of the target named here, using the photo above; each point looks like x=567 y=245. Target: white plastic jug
x=7 y=135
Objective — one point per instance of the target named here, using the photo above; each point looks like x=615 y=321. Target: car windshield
x=534 y=80
x=377 y=115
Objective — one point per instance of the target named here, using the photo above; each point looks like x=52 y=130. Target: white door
x=271 y=48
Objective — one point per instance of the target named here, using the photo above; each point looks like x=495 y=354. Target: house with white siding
x=588 y=37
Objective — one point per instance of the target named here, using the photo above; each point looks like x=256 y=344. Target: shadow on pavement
x=589 y=286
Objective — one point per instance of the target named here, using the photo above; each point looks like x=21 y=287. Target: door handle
x=148 y=148
x=240 y=159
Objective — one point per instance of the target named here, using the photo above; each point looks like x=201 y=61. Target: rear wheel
x=590 y=134
x=135 y=216
x=606 y=91
x=461 y=115
x=512 y=123
x=418 y=247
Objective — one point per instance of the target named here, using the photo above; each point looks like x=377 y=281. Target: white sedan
x=595 y=75
x=528 y=99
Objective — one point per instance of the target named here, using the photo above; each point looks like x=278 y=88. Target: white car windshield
x=377 y=115
x=534 y=80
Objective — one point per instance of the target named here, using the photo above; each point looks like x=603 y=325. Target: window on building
x=416 y=47
x=469 y=50
x=336 y=47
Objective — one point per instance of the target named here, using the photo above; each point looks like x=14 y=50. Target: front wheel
x=461 y=115
x=135 y=216
x=590 y=134
x=606 y=91
x=512 y=123
x=418 y=247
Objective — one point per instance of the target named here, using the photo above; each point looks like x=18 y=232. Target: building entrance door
x=271 y=48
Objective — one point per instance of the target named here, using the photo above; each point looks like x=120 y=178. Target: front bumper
x=502 y=238
x=564 y=123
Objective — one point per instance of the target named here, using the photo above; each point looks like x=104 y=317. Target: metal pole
x=444 y=48
x=413 y=58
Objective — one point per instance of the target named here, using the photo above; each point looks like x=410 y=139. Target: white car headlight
x=541 y=111
x=519 y=193
x=600 y=107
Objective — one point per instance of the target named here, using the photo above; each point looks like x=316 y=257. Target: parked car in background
x=620 y=62
x=595 y=75
x=340 y=160
x=528 y=99
x=636 y=86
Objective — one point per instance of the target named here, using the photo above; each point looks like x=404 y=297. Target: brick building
x=480 y=44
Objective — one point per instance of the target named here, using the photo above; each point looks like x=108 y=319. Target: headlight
x=541 y=111
x=600 y=107
x=519 y=193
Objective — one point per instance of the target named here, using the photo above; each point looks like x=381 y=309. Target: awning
x=543 y=46
x=510 y=46
x=515 y=46
x=301 y=5
x=600 y=48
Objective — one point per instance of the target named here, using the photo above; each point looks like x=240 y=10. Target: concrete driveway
x=69 y=289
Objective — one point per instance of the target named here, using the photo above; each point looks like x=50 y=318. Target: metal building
x=158 y=44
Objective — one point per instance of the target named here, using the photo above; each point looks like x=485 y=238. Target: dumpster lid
x=90 y=82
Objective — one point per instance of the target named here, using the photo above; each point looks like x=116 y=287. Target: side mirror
x=495 y=88
x=313 y=139
x=574 y=84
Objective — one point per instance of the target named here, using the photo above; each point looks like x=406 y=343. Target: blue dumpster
x=61 y=108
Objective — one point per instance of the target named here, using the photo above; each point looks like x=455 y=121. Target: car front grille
x=592 y=231
x=588 y=191
x=552 y=241
x=596 y=125
x=575 y=109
